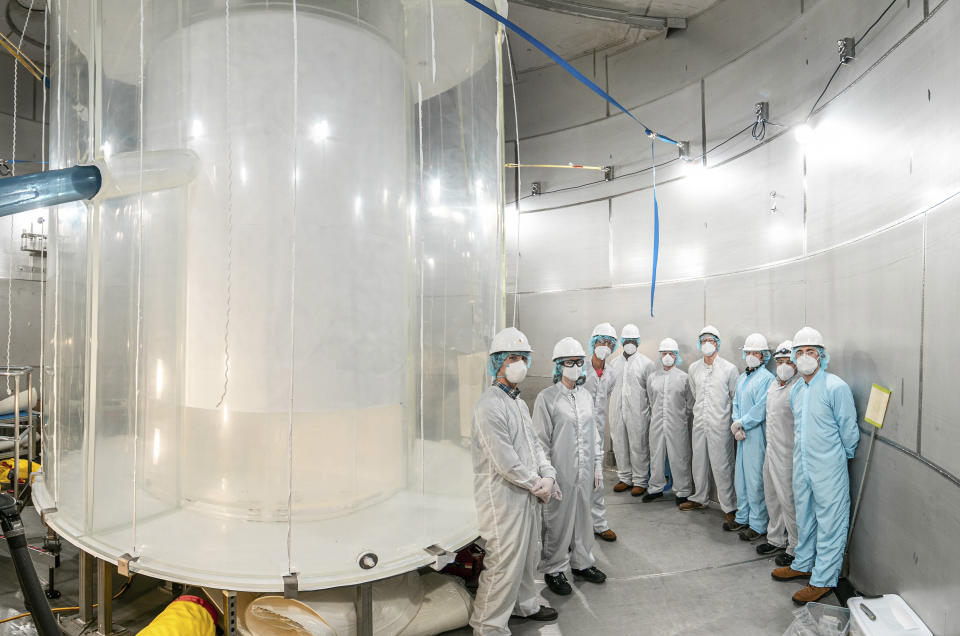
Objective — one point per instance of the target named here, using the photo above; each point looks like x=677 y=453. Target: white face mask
x=708 y=348
x=785 y=372
x=516 y=371
x=807 y=365
x=602 y=352
x=667 y=360
x=630 y=349
x=571 y=373
x=753 y=361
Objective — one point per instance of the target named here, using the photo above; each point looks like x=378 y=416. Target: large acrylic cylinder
x=264 y=338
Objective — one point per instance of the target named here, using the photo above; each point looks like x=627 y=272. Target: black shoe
x=749 y=534
x=681 y=500
x=543 y=614
x=591 y=574
x=768 y=548
x=650 y=496
x=733 y=526
x=784 y=559
x=558 y=583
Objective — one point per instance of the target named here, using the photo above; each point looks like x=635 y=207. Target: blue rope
x=656 y=230
x=586 y=81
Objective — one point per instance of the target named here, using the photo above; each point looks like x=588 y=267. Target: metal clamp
x=441 y=558
x=291 y=585
x=123 y=564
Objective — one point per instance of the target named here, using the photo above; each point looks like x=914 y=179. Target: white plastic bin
x=893 y=616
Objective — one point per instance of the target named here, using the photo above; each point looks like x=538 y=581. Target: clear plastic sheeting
x=817 y=619
x=261 y=345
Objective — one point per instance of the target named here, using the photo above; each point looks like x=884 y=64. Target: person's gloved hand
x=738 y=433
x=598 y=480
x=543 y=488
x=556 y=493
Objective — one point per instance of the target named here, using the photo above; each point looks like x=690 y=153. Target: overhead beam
x=570 y=7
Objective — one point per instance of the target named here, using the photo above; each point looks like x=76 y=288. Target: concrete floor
x=669 y=572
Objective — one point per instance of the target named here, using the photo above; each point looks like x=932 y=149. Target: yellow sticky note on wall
x=877 y=406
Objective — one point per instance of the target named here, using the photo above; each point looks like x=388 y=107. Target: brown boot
x=607 y=535
x=811 y=593
x=730 y=522
x=691 y=505
x=620 y=487
x=638 y=491
x=787 y=573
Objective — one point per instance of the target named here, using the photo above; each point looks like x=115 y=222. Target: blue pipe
x=42 y=189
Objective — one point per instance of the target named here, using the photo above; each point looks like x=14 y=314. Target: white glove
x=542 y=489
x=556 y=493
x=598 y=480
x=737 y=429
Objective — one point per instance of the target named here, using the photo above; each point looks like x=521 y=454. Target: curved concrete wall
x=861 y=244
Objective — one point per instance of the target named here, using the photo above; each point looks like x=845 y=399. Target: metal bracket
x=123 y=564
x=44 y=513
x=291 y=585
x=229 y=613
x=536 y=188
x=847 y=48
x=608 y=173
x=441 y=558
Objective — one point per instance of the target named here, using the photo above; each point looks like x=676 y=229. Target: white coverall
x=630 y=421
x=508 y=460
x=670 y=405
x=563 y=419
x=600 y=388
x=714 y=449
x=778 y=467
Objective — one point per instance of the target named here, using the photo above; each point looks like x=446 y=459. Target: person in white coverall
x=713 y=381
x=670 y=405
x=512 y=476
x=630 y=416
x=563 y=419
x=778 y=465
x=601 y=377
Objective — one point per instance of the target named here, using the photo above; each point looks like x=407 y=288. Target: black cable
x=759 y=130
x=824 y=91
x=875 y=22
x=33 y=597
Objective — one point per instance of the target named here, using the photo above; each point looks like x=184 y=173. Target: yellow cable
x=27 y=63
x=123 y=589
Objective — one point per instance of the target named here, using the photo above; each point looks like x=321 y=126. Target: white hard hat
x=568 y=348
x=630 y=332
x=510 y=339
x=669 y=344
x=756 y=342
x=784 y=349
x=604 y=329
x=808 y=337
x=709 y=330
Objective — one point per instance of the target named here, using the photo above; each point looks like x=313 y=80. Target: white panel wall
x=862 y=246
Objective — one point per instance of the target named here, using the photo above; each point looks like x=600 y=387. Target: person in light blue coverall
x=825 y=437
x=749 y=429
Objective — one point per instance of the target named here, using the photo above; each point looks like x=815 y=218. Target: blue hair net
x=593 y=343
x=496 y=360
x=824 y=357
x=766 y=355
x=707 y=335
x=558 y=372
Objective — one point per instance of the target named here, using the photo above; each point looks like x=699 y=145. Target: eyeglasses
x=572 y=363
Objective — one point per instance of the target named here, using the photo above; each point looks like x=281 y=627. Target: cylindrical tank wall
x=264 y=372
x=860 y=244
